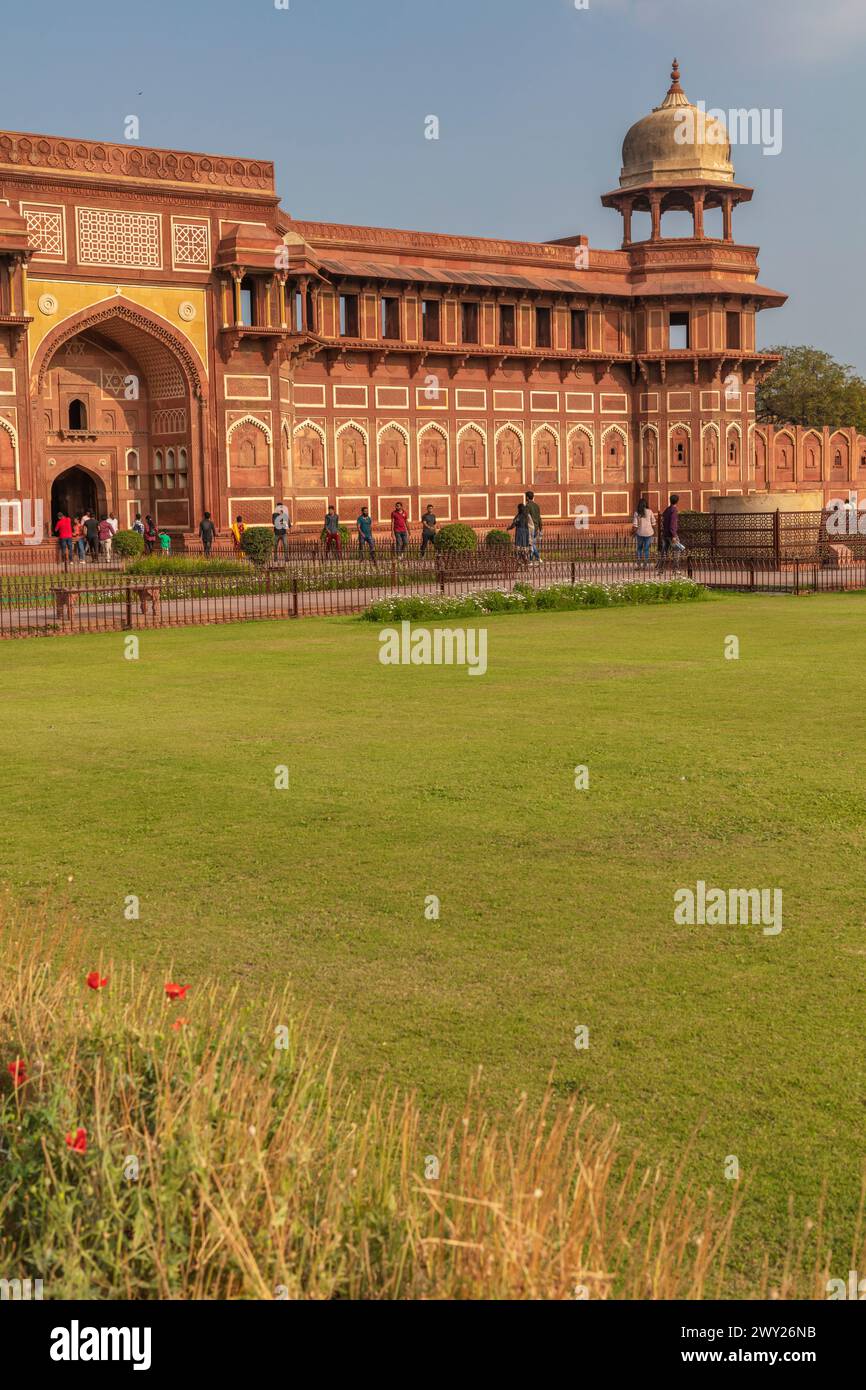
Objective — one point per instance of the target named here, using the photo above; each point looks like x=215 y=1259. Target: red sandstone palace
x=172 y=341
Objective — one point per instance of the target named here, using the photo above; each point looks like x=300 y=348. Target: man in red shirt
x=63 y=532
x=400 y=529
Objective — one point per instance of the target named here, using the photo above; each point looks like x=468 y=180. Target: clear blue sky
x=533 y=99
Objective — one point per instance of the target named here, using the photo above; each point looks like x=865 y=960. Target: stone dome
x=676 y=143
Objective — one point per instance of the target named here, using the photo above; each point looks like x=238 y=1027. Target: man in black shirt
x=207 y=531
x=428 y=529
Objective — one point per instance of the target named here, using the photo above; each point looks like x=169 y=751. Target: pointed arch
x=135 y=318
x=435 y=427
x=619 y=455
x=466 y=460
x=404 y=435
x=503 y=451
x=256 y=423
x=587 y=432
x=364 y=435
x=553 y=432
x=299 y=435
x=10 y=429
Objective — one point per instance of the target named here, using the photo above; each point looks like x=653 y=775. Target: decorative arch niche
x=392 y=446
x=710 y=450
x=433 y=463
x=734 y=453
x=679 y=453
x=783 y=458
x=581 y=453
x=471 y=456
x=812 y=451
x=649 y=445
x=545 y=456
x=308 y=449
x=509 y=456
x=614 y=455
x=352 y=455
x=9 y=472
x=250 y=453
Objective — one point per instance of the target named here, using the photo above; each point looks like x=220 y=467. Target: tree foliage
x=810 y=388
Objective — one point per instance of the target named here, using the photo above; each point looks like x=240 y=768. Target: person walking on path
x=151 y=535
x=138 y=524
x=670 y=540
x=91 y=531
x=78 y=538
x=206 y=532
x=644 y=524
x=520 y=527
x=365 y=534
x=534 y=520
x=106 y=536
x=428 y=529
x=282 y=522
x=400 y=529
x=237 y=530
x=332 y=533
x=63 y=532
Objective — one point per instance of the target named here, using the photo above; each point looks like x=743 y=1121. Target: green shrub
x=344 y=534
x=498 y=540
x=127 y=544
x=257 y=543
x=457 y=536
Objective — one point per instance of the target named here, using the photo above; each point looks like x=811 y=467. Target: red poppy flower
x=97 y=981
x=179 y=1023
x=18 y=1072
x=78 y=1145
x=176 y=991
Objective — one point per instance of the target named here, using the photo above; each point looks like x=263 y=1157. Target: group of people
x=151 y=535
x=644 y=528
x=84 y=535
x=526 y=526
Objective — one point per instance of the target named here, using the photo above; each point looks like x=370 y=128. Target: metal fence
x=48 y=603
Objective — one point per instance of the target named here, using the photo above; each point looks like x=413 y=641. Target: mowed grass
x=155 y=777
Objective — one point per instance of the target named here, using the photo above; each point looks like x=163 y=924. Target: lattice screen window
x=127 y=239
x=191 y=244
x=45 y=231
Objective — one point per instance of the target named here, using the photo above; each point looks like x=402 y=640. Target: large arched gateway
x=116 y=396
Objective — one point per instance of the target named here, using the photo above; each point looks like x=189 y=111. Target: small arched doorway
x=74 y=492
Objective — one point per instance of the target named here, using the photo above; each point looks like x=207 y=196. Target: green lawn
x=156 y=777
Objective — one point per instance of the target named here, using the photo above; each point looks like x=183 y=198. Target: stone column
x=656 y=212
x=698 y=214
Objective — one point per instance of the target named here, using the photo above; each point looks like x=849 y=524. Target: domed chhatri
x=676 y=143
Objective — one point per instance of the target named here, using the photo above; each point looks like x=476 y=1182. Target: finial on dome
x=675 y=78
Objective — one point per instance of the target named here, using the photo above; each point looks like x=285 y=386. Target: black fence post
x=294 y=595
x=777 y=536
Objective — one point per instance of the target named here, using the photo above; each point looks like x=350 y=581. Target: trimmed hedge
x=257 y=543
x=456 y=536
x=344 y=534
x=127 y=544
x=498 y=540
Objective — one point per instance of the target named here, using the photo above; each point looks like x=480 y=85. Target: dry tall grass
x=219 y=1165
